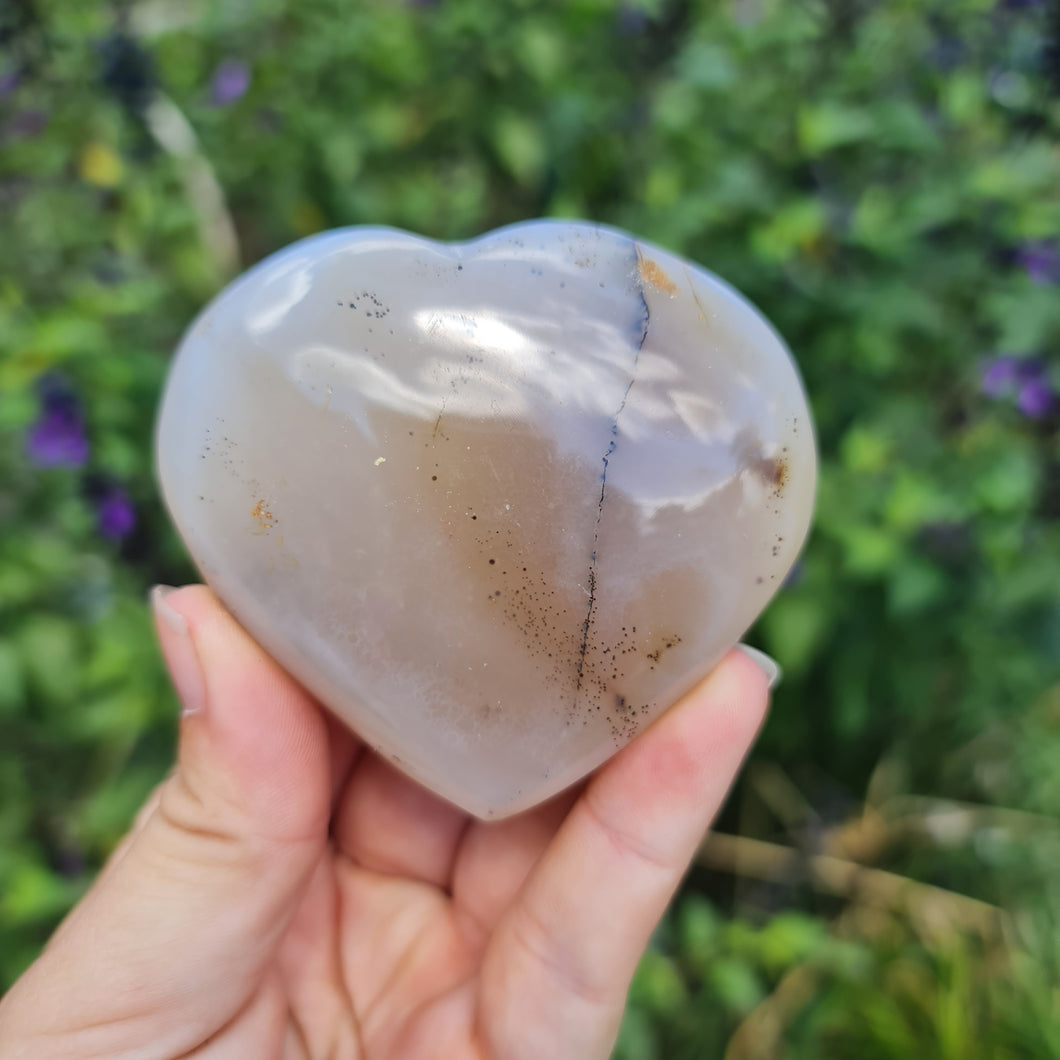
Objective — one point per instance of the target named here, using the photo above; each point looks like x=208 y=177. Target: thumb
x=176 y=934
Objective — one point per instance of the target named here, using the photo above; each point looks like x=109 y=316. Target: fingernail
x=179 y=650
x=770 y=667
x=173 y=619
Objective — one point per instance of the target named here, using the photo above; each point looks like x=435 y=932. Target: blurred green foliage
x=881 y=178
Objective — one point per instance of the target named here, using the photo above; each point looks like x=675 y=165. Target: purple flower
x=999 y=375
x=8 y=83
x=115 y=514
x=1035 y=398
x=57 y=437
x=230 y=82
x=1040 y=261
x=1021 y=378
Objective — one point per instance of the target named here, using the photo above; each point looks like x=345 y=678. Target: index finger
x=567 y=951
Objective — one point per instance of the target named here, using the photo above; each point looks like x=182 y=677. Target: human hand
x=286 y=893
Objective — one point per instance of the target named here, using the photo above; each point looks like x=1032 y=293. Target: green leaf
x=48 y=646
x=788 y=939
x=736 y=985
x=12 y=680
x=658 y=985
x=699 y=932
x=32 y=894
x=520 y=147
x=795 y=626
x=1009 y=484
x=795 y=227
x=826 y=125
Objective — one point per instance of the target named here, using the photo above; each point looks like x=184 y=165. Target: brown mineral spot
x=668 y=642
x=651 y=273
x=262 y=516
x=773 y=471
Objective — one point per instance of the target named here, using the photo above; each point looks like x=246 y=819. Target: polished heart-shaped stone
x=498 y=504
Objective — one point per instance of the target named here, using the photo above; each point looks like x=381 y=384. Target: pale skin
x=287 y=894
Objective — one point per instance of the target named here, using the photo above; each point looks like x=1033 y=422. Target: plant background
x=881 y=178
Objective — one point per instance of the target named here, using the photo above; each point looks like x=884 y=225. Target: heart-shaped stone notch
x=497 y=504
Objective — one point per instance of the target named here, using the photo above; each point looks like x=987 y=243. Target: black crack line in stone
x=605 y=460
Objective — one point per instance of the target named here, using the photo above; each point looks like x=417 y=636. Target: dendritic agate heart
x=498 y=504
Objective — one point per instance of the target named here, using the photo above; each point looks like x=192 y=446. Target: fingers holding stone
x=496 y=858
x=193 y=907
x=387 y=823
x=569 y=947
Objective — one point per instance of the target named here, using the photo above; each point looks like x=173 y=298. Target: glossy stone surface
x=498 y=504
